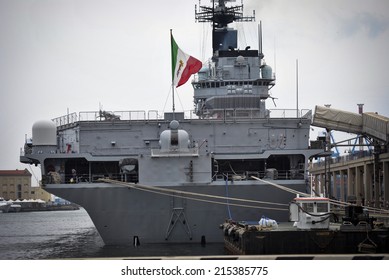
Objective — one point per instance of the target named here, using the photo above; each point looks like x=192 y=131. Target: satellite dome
x=267 y=72
x=44 y=133
x=240 y=60
x=174 y=124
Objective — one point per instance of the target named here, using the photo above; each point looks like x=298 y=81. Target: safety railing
x=141 y=115
x=344 y=159
x=61 y=178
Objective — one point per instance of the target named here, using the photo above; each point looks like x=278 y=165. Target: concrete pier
x=354 y=175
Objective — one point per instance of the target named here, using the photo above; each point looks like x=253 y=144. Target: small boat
x=4 y=205
x=15 y=208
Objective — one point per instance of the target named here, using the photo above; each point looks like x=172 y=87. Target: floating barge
x=310 y=232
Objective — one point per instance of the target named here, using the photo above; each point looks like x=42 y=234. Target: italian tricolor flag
x=183 y=65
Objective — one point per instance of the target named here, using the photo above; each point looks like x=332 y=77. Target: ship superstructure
x=233 y=78
x=142 y=177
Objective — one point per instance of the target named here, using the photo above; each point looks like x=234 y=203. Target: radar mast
x=220 y=15
x=235 y=82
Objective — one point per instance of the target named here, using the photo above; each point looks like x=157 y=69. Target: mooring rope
x=188 y=195
x=228 y=203
x=332 y=201
x=281 y=187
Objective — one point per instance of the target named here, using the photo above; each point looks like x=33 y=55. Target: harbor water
x=71 y=234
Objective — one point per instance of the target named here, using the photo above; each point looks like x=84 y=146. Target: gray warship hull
x=124 y=216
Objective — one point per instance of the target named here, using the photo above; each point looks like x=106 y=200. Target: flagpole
x=171 y=48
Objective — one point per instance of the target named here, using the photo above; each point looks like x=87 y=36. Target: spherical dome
x=174 y=124
x=240 y=59
x=267 y=72
x=44 y=133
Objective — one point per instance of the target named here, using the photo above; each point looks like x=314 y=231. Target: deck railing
x=344 y=159
x=66 y=119
x=69 y=178
x=141 y=115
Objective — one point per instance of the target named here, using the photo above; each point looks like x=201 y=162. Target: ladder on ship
x=178 y=216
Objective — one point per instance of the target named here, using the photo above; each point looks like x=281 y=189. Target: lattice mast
x=220 y=15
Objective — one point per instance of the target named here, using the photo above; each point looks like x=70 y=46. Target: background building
x=16 y=184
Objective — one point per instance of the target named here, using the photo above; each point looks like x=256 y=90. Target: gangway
x=369 y=124
x=367 y=179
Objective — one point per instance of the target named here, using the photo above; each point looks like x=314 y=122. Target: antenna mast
x=171 y=47
x=260 y=40
x=297 y=87
x=220 y=15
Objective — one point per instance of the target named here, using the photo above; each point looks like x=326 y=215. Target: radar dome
x=240 y=60
x=267 y=72
x=174 y=124
x=44 y=133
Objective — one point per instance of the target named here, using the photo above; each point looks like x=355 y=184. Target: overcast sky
x=57 y=55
